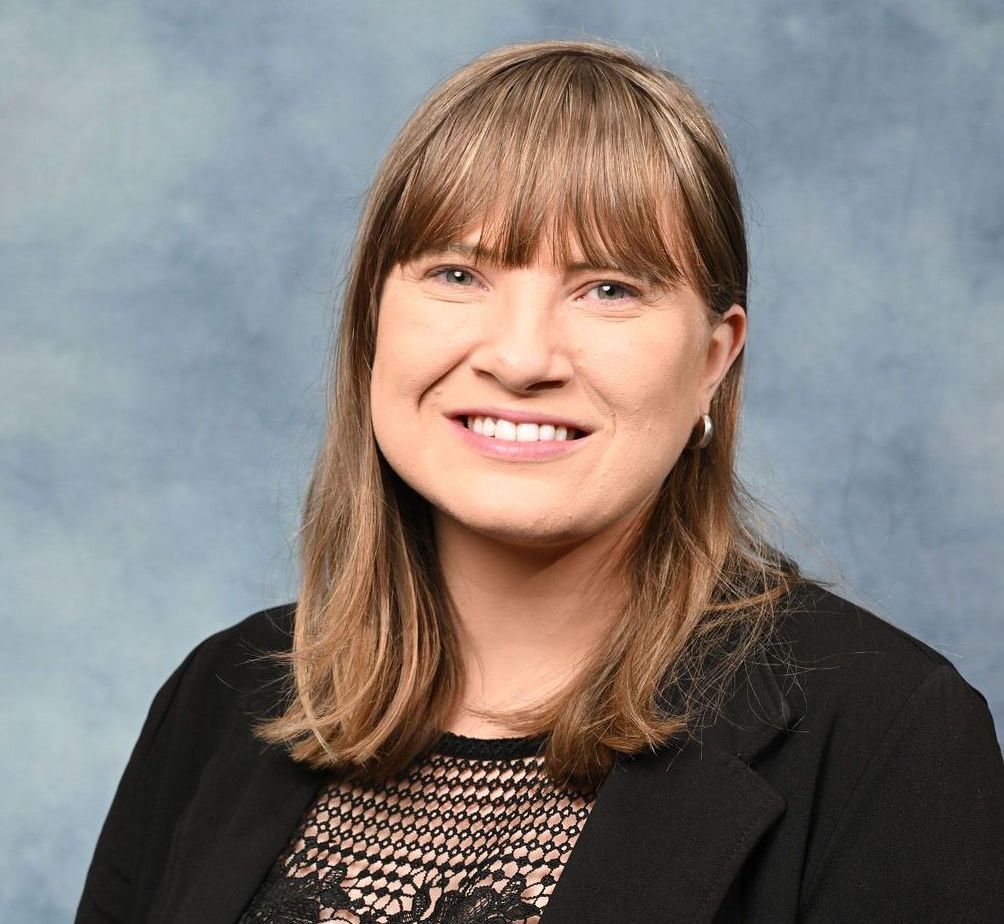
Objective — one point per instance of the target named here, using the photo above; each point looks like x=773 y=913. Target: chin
x=530 y=527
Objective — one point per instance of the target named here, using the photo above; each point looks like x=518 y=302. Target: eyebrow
x=467 y=250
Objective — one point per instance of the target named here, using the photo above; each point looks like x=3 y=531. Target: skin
x=524 y=545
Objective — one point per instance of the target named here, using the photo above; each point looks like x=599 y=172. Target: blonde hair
x=573 y=141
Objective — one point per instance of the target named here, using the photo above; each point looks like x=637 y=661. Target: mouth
x=508 y=430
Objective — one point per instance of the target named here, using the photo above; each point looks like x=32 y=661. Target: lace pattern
x=473 y=832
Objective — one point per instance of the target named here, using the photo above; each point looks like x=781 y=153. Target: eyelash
x=630 y=290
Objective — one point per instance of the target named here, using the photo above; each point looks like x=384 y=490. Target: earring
x=705 y=436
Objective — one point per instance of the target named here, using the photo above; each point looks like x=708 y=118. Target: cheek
x=414 y=346
x=391 y=373
x=651 y=385
x=414 y=351
x=650 y=389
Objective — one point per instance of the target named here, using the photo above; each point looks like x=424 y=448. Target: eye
x=451 y=274
x=608 y=285
x=454 y=276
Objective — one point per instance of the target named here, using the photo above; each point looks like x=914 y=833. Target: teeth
x=521 y=433
x=504 y=430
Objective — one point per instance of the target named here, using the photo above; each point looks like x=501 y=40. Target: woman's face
x=597 y=348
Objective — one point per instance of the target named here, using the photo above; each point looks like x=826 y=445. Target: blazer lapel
x=670 y=829
x=274 y=793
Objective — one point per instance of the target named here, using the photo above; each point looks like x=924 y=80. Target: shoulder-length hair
x=559 y=141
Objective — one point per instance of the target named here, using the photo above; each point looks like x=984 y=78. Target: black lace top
x=472 y=832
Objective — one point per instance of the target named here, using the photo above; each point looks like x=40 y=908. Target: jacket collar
x=670 y=828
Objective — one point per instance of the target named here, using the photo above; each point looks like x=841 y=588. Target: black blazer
x=868 y=788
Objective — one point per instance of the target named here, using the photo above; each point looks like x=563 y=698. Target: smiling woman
x=480 y=286
x=544 y=664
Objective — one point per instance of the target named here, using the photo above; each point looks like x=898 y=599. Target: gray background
x=178 y=189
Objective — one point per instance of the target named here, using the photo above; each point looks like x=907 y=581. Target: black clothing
x=472 y=831
x=867 y=787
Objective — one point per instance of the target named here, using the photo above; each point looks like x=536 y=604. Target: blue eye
x=452 y=276
x=453 y=271
x=630 y=293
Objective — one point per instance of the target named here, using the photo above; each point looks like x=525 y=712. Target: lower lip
x=514 y=450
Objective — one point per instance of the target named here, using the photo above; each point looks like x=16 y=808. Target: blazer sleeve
x=109 y=884
x=921 y=839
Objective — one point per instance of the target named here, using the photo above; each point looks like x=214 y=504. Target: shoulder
x=228 y=680
x=236 y=647
x=855 y=687
x=241 y=650
x=839 y=680
x=885 y=735
x=849 y=655
x=817 y=618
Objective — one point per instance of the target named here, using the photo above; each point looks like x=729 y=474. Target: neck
x=528 y=616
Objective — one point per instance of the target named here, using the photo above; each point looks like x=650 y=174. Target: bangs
x=546 y=159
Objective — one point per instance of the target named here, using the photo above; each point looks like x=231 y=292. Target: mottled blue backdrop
x=179 y=183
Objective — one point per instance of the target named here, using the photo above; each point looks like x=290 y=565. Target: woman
x=542 y=664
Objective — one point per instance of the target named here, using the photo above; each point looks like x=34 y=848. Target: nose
x=522 y=341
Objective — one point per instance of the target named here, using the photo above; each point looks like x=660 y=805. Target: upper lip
x=521 y=417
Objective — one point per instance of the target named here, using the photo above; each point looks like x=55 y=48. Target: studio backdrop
x=179 y=187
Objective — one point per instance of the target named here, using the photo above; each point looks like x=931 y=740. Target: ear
x=727 y=339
